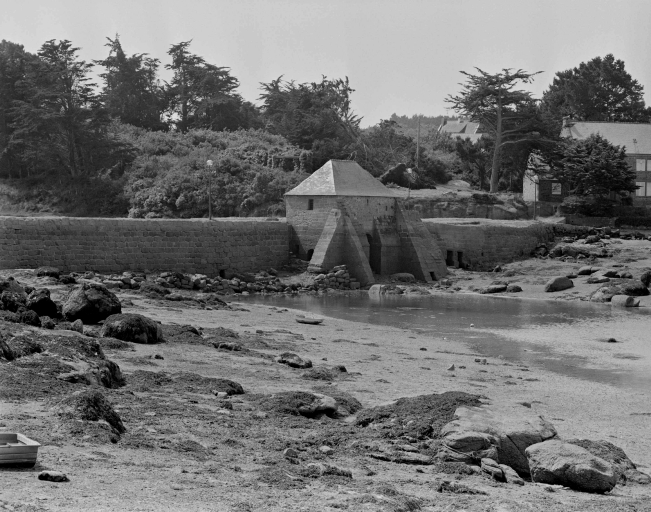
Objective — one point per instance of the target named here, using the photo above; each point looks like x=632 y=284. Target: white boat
x=17 y=450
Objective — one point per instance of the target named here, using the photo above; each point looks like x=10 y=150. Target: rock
x=132 y=327
x=451 y=368
x=91 y=302
x=326 y=450
x=404 y=277
x=645 y=278
x=597 y=279
x=494 y=288
x=67 y=279
x=624 y=467
x=12 y=301
x=608 y=272
x=559 y=283
x=586 y=270
x=315 y=469
x=605 y=294
x=290 y=453
x=513 y=288
x=624 y=301
x=469 y=447
x=556 y=462
x=634 y=289
x=89 y=406
x=77 y=326
x=293 y=360
x=397 y=175
x=29 y=317
x=320 y=405
x=47 y=322
x=10 y=285
x=492 y=468
x=505 y=428
x=53 y=476
x=48 y=272
x=511 y=475
x=592 y=239
x=40 y=302
x=625 y=275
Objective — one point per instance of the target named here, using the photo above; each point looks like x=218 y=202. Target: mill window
x=310 y=204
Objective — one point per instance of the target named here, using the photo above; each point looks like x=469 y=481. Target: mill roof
x=461 y=126
x=341 y=178
x=635 y=136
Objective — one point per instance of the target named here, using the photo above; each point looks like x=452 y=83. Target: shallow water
x=540 y=333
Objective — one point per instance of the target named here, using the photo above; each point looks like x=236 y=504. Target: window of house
x=643 y=190
x=640 y=165
x=310 y=204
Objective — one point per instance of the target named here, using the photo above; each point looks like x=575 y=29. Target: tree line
x=136 y=142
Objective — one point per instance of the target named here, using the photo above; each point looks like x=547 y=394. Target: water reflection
x=451 y=316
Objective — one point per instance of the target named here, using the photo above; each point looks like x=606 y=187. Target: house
x=343 y=215
x=462 y=128
x=636 y=137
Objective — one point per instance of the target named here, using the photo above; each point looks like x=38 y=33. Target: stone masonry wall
x=112 y=245
x=483 y=244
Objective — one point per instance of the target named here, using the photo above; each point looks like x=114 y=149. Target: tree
x=14 y=63
x=131 y=90
x=475 y=159
x=594 y=167
x=510 y=116
x=202 y=95
x=60 y=124
x=598 y=90
x=313 y=116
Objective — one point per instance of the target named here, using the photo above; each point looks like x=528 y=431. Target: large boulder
x=624 y=301
x=556 y=462
x=48 y=272
x=634 y=289
x=293 y=360
x=132 y=327
x=40 y=302
x=12 y=301
x=605 y=293
x=558 y=283
x=501 y=432
x=91 y=302
x=624 y=467
x=645 y=278
x=10 y=285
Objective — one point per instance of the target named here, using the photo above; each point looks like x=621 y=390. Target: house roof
x=341 y=178
x=474 y=137
x=635 y=136
x=460 y=126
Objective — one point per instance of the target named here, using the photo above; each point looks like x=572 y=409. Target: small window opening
x=310 y=204
x=460 y=259
x=309 y=254
x=431 y=274
x=222 y=273
x=449 y=259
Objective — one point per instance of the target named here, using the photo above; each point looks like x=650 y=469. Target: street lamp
x=209 y=167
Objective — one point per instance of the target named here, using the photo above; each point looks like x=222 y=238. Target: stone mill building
x=343 y=215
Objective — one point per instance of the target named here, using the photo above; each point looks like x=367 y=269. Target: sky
x=401 y=57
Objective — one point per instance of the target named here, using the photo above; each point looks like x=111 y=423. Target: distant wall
x=484 y=244
x=112 y=245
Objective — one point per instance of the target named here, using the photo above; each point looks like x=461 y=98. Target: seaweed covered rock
x=624 y=467
x=303 y=403
x=89 y=406
x=293 y=360
x=40 y=302
x=91 y=302
x=132 y=327
x=48 y=272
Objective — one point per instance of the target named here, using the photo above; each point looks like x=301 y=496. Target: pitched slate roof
x=461 y=126
x=635 y=136
x=341 y=178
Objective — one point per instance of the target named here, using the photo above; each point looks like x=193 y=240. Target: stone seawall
x=484 y=243
x=112 y=245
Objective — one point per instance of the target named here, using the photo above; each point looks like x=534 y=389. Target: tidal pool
x=569 y=338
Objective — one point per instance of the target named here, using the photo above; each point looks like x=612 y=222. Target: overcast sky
x=401 y=56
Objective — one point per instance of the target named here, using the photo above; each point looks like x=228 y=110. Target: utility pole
x=209 y=167
x=418 y=145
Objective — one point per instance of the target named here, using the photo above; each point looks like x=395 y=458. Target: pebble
x=326 y=450
x=451 y=368
x=290 y=453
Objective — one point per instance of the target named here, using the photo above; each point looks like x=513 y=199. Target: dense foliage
x=169 y=177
